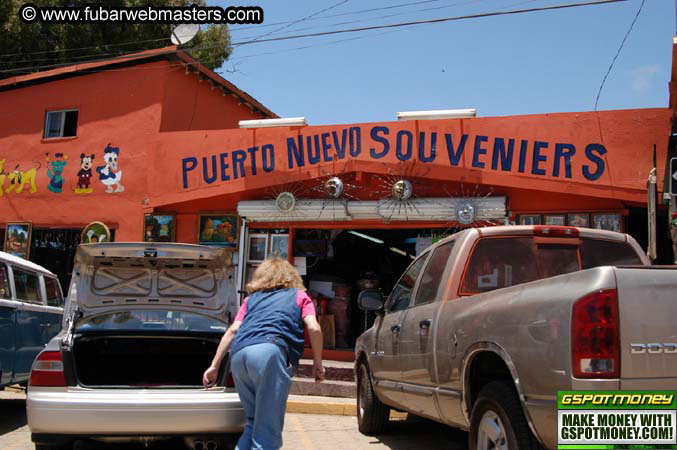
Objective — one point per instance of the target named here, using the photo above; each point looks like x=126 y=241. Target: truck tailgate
x=647 y=300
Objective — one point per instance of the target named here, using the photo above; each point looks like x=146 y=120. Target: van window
x=54 y=297
x=432 y=275
x=5 y=293
x=27 y=287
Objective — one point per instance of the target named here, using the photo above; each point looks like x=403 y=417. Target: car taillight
x=555 y=231
x=595 y=336
x=48 y=370
x=230 y=382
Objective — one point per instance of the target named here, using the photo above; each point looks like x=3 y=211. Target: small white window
x=61 y=123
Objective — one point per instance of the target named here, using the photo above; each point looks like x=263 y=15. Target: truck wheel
x=497 y=420
x=372 y=415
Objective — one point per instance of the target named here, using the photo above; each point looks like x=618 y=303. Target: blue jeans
x=262 y=379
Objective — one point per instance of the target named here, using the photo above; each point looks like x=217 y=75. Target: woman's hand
x=318 y=372
x=209 y=377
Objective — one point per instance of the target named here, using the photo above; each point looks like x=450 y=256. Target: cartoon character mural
x=17 y=179
x=85 y=174
x=110 y=174
x=55 y=170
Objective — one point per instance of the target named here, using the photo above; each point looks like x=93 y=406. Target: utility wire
x=335 y=5
x=402 y=5
x=117 y=53
x=84 y=48
x=351 y=30
x=431 y=21
x=613 y=61
x=372 y=19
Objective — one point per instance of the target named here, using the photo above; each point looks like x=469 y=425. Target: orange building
x=157 y=134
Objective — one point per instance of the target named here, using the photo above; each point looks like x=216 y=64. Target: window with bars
x=54 y=249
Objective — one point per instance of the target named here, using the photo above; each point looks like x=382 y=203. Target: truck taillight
x=48 y=370
x=595 y=336
x=555 y=231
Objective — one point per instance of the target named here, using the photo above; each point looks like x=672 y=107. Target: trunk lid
x=648 y=326
x=126 y=276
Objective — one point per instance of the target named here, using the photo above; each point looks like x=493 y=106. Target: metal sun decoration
x=335 y=190
x=400 y=188
x=467 y=207
x=286 y=198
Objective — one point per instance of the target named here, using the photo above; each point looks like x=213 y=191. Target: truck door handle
x=425 y=323
x=395 y=328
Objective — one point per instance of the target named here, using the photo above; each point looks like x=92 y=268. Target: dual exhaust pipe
x=204 y=445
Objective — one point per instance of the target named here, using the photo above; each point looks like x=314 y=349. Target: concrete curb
x=330 y=408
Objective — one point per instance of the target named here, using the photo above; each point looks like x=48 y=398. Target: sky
x=539 y=62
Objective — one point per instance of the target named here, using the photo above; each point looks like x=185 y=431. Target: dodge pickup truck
x=487 y=325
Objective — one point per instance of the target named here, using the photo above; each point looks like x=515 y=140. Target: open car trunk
x=143 y=360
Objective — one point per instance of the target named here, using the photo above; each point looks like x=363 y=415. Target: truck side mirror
x=370 y=300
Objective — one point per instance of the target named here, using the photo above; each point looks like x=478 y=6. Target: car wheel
x=498 y=422
x=372 y=415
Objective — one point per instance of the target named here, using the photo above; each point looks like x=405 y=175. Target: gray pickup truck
x=486 y=326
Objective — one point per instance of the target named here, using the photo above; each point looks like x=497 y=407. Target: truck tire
x=372 y=415
x=497 y=420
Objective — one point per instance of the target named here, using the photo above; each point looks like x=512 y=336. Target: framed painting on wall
x=258 y=244
x=555 y=219
x=18 y=239
x=218 y=229
x=279 y=246
x=159 y=228
x=579 y=220
x=607 y=221
x=530 y=219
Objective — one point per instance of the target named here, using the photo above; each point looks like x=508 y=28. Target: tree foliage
x=26 y=48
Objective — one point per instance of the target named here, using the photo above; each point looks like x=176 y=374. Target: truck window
x=54 y=297
x=432 y=275
x=401 y=294
x=26 y=285
x=597 y=252
x=4 y=284
x=500 y=262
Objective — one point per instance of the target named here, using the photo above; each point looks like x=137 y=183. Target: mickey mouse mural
x=85 y=174
x=110 y=174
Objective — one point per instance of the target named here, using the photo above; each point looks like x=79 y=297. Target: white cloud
x=644 y=76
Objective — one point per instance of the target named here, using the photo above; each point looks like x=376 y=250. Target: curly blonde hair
x=275 y=273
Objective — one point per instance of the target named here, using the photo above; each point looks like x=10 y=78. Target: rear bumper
x=86 y=412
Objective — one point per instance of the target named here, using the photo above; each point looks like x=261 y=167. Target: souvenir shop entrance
x=338 y=262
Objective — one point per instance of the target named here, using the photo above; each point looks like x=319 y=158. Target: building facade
x=150 y=146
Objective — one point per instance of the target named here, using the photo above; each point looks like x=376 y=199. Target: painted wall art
x=218 y=229
x=18 y=239
x=159 y=228
x=94 y=233
x=55 y=169
x=110 y=173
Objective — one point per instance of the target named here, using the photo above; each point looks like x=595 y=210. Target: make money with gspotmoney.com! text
x=141 y=14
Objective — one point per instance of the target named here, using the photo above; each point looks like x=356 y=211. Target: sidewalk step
x=334 y=370
x=328 y=388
